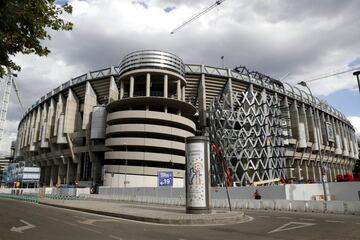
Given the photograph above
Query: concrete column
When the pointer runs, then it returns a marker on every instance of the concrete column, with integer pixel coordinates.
(121, 89)
(299, 170)
(178, 89)
(47, 175)
(42, 175)
(70, 171)
(78, 170)
(290, 169)
(50, 119)
(71, 112)
(334, 172)
(131, 91)
(166, 84)
(183, 93)
(311, 172)
(54, 175)
(113, 90)
(166, 87)
(61, 174)
(89, 102)
(95, 169)
(306, 168)
(59, 110)
(319, 171)
(148, 84)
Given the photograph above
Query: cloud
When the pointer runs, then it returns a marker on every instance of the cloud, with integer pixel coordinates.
(303, 38)
(355, 121)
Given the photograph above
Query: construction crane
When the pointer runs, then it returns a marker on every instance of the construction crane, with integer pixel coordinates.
(217, 3)
(6, 98)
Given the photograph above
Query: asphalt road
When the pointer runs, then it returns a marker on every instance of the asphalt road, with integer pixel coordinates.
(21, 220)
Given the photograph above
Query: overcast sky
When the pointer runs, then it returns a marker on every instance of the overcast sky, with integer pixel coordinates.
(304, 39)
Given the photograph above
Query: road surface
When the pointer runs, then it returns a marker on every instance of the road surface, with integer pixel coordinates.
(21, 220)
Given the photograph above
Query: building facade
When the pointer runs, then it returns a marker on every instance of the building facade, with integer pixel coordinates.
(121, 126)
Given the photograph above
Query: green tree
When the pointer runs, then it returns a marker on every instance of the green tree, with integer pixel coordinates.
(23, 26)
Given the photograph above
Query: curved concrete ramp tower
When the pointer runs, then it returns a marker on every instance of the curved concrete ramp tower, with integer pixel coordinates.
(148, 124)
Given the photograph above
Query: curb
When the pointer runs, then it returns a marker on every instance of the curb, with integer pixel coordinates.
(234, 218)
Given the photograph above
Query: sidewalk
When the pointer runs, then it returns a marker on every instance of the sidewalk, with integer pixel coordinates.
(149, 213)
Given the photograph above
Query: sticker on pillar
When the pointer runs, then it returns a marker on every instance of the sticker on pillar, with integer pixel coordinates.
(166, 179)
(196, 175)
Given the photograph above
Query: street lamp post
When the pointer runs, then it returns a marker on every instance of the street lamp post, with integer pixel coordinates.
(319, 143)
(357, 73)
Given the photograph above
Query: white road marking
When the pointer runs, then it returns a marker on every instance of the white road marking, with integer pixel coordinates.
(22, 228)
(91, 230)
(334, 221)
(52, 218)
(291, 226)
(284, 217)
(115, 237)
(307, 219)
(357, 223)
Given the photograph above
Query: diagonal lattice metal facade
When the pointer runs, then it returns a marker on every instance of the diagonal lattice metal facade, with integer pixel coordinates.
(246, 127)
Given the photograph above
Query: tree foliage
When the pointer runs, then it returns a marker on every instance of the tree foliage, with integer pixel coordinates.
(23, 26)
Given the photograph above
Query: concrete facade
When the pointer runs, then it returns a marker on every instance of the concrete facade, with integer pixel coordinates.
(120, 126)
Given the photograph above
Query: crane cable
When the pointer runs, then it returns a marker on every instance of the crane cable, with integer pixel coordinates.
(331, 75)
(18, 95)
(217, 3)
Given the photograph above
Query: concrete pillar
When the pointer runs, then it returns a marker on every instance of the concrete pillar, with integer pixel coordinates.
(42, 175)
(54, 175)
(121, 89)
(50, 122)
(95, 169)
(306, 171)
(319, 171)
(183, 92)
(178, 89)
(70, 171)
(71, 111)
(311, 172)
(148, 84)
(61, 174)
(59, 110)
(334, 172)
(166, 84)
(131, 90)
(114, 91)
(166, 89)
(299, 170)
(47, 175)
(78, 170)
(89, 102)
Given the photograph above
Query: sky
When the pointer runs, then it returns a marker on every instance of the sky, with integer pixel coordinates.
(299, 39)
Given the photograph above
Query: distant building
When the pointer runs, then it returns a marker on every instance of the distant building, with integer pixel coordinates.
(121, 126)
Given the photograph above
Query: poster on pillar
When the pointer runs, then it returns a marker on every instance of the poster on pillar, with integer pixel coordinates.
(196, 185)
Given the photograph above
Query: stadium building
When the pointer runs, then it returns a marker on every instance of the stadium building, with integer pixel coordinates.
(122, 125)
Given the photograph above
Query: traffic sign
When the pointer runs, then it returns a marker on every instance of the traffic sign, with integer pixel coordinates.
(166, 179)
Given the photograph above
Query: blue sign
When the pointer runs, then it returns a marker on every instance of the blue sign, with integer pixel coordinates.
(166, 179)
